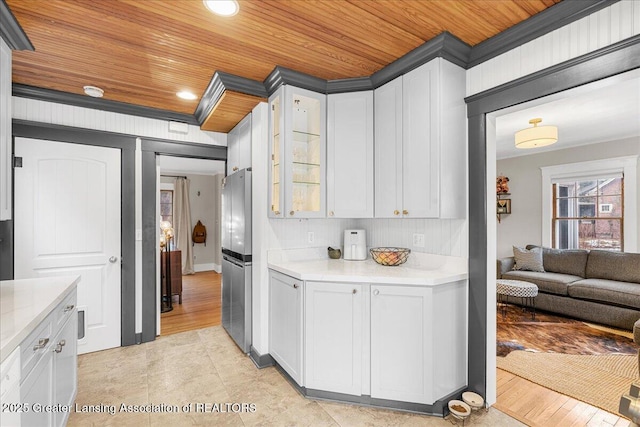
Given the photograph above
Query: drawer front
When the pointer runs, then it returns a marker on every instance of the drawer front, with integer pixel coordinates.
(36, 345)
(9, 374)
(65, 310)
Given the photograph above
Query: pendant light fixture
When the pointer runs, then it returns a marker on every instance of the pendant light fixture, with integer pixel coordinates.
(537, 136)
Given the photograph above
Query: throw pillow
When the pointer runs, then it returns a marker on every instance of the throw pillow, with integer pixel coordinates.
(528, 259)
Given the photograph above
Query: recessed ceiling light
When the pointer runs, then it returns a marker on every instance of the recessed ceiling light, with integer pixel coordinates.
(93, 91)
(186, 95)
(222, 7)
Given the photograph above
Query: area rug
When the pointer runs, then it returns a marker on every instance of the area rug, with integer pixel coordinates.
(599, 380)
(550, 333)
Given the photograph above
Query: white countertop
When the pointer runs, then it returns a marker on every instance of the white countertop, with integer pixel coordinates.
(420, 270)
(25, 303)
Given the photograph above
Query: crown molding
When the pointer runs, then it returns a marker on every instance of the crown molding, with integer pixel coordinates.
(349, 85)
(285, 76)
(11, 31)
(552, 18)
(84, 101)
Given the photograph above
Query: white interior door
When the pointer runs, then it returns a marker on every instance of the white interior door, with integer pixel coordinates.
(68, 222)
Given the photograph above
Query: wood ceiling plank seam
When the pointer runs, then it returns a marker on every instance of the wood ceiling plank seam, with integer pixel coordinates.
(423, 28)
(349, 38)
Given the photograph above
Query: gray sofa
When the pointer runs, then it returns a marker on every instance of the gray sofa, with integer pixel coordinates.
(596, 286)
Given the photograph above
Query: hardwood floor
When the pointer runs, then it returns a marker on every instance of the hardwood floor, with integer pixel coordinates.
(201, 304)
(535, 405)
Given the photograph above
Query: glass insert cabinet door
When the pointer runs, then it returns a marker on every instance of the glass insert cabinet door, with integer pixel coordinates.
(297, 153)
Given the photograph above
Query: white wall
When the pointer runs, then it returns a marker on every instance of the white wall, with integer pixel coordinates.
(603, 28)
(67, 115)
(203, 208)
(524, 225)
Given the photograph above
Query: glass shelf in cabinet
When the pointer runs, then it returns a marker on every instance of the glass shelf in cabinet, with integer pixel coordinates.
(306, 164)
(306, 183)
(300, 136)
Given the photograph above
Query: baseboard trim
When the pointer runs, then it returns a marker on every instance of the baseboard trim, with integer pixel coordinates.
(261, 360)
(439, 408)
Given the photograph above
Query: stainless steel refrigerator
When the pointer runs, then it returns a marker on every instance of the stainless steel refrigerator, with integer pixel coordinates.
(236, 257)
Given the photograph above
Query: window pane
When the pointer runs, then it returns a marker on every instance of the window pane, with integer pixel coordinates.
(586, 207)
(589, 234)
(610, 187)
(587, 188)
(166, 196)
(165, 209)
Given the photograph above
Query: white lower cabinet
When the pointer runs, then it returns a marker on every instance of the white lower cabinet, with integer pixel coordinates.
(333, 337)
(49, 359)
(401, 343)
(285, 323)
(37, 389)
(390, 342)
(65, 368)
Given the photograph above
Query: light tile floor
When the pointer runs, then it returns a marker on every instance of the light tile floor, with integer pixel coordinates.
(206, 367)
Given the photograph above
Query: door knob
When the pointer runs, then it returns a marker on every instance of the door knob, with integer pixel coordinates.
(113, 259)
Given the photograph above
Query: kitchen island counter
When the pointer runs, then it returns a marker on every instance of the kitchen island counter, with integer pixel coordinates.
(27, 302)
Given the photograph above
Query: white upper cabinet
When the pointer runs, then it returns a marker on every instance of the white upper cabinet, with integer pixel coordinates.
(297, 129)
(350, 155)
(239, 146)
(388, 149)
(5, 131)
(420, 144)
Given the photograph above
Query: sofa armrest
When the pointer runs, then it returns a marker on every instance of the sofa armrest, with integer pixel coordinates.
(505, 265)
(636, 332)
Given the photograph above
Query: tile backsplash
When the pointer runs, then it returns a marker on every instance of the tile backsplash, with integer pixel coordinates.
(441, 236)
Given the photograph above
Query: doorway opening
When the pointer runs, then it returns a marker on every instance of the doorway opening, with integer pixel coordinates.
(588, 133)
(188, 195)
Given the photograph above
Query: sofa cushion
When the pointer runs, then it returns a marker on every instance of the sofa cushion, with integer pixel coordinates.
(565, 261)
(609, 291)
(621, 266)
(528, 259)
(551, 283)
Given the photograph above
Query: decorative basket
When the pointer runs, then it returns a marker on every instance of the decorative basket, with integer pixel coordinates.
(390, 256)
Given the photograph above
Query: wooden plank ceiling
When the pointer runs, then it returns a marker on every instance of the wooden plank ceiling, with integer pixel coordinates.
(142, 52)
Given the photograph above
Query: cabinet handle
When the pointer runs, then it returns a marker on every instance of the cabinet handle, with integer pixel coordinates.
(235, 168)
(42, 343)
(69, 308)
(292, 213)
(61, 344)
(405, 212)
(376, 292)
(331, 213)
(396, 212)
(295, 286)
(354, 291)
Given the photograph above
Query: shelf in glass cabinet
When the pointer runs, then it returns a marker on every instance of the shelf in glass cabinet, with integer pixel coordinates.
(305, 183)
(306, 164)
(299, 136)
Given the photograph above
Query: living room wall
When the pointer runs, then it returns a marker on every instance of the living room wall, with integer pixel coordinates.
(524, 225)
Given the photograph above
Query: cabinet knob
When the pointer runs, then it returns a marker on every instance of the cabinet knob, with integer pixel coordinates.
(376, 292)
(292, 213)
(396, 212)
(355, 291)
(330, 213)
(295, 286)
(42, 343)
(235, 168)
(69, 308)
(405, 212)
(277, 212)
